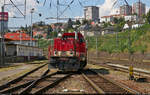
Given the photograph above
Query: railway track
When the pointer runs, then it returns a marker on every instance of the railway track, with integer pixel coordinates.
(103, 85)
(35, 82)
(44, 84)
(23, 81)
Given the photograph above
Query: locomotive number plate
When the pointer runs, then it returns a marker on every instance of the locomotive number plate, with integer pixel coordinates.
(63, 54)
(63, 59)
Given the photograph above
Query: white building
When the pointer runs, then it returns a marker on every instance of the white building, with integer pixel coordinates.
(107, 19)
(111, 18)
(131, 18)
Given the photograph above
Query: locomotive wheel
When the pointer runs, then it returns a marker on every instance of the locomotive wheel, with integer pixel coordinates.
(83, 64)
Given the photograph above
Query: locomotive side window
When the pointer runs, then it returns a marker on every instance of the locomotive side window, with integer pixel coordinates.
(82, 40)
(68, 37)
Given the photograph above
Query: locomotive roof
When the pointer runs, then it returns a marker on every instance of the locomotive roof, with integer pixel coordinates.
(71, 34)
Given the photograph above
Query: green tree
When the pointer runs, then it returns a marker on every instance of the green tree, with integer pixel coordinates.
(84, 21)
(77, 22)
(148, 17)
(115, 20)
(22, 28)
(107, 24)
(49, 32)
(70, 23)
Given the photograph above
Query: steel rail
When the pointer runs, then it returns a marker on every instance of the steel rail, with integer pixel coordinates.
(29, 87)
(51, 85)
(6, 85)
(17, 87)
(100, 90)
(118, 84)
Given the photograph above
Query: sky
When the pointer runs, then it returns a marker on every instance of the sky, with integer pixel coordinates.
(49, 9)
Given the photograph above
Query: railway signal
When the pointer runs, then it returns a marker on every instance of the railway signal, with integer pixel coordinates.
(129, 23)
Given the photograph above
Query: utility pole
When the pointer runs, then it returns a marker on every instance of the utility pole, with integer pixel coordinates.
(2, 38)
(131, 76)
(57, 9)
(117, 37)
(139, 12)
(31, 27)
(20, 37)
(96, 47)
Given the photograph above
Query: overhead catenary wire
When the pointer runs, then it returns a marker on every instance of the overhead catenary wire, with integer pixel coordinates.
(25, 6)
(66, 8)
(44, 2)
(50, 5)
(17, 8)
(80, 3)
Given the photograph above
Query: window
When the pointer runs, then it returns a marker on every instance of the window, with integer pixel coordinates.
(82, 40)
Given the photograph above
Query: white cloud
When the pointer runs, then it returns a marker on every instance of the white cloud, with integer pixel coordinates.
(107, 8)
(14, 12)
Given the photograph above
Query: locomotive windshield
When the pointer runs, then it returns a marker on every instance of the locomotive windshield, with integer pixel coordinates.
(70, 36)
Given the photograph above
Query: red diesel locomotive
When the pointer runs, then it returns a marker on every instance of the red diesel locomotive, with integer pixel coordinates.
(68, 52)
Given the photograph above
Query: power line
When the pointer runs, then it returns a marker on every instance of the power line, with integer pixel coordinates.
(80, 3)
(17, 7)
(66, 8)
(44, 2)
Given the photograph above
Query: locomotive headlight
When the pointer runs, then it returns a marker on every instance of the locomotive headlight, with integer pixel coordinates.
(59, 53)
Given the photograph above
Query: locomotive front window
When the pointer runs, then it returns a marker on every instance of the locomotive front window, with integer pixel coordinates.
(66, 37)
(82, 40)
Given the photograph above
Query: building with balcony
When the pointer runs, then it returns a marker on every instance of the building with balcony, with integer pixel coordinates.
(91, 13)
(139, 8)
(125, 10)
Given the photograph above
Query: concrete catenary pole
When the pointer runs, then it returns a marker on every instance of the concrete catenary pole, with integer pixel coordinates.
(31, 27)
(96, 46)
(2, 38)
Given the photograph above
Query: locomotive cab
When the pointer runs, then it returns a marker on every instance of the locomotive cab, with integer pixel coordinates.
(68, 52)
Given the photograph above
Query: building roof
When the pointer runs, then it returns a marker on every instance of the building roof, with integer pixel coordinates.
(115, 15)
(91, 6)
(18, 36)
(6, 39)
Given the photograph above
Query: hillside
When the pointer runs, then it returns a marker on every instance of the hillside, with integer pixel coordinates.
(139, 41)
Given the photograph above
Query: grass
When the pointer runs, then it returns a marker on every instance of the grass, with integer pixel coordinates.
(37, 62)
(6, 79)
(2, 69)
